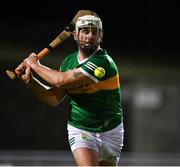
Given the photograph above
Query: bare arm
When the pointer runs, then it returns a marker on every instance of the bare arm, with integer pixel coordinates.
(60, 80)
(51, 96)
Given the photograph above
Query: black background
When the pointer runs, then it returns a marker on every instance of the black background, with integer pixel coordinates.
(149, 26)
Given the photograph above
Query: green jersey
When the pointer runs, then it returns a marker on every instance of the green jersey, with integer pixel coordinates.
(96, 107)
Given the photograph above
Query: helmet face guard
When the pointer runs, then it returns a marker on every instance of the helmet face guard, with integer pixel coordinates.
(90, 21)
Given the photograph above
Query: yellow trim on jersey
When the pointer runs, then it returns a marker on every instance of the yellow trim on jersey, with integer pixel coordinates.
(109, 84)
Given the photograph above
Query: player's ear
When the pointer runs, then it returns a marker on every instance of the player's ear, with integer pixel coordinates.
(75, 35)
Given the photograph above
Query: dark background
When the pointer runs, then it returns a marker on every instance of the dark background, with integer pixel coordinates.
(142, 37)
(149, 26)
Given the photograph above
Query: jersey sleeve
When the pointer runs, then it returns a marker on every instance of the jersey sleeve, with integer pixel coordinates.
(90, 66)
(63, 65)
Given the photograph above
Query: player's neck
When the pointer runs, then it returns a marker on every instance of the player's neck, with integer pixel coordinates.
(82, 56)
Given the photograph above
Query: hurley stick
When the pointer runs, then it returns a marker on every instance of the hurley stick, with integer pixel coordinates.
(66, 33)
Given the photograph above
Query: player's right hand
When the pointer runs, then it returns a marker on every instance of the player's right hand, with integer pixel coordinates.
(23, 72)
(20, 69)
(27, 75)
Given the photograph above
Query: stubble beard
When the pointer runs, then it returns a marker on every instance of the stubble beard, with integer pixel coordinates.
(88, 49)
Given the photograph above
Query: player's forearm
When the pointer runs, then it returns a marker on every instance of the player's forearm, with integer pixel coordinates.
(53, 77)
(46, 94)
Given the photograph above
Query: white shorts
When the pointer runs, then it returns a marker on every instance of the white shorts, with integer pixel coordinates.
(107, 144)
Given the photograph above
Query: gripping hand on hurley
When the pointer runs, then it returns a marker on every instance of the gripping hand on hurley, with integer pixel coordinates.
(23, 70)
